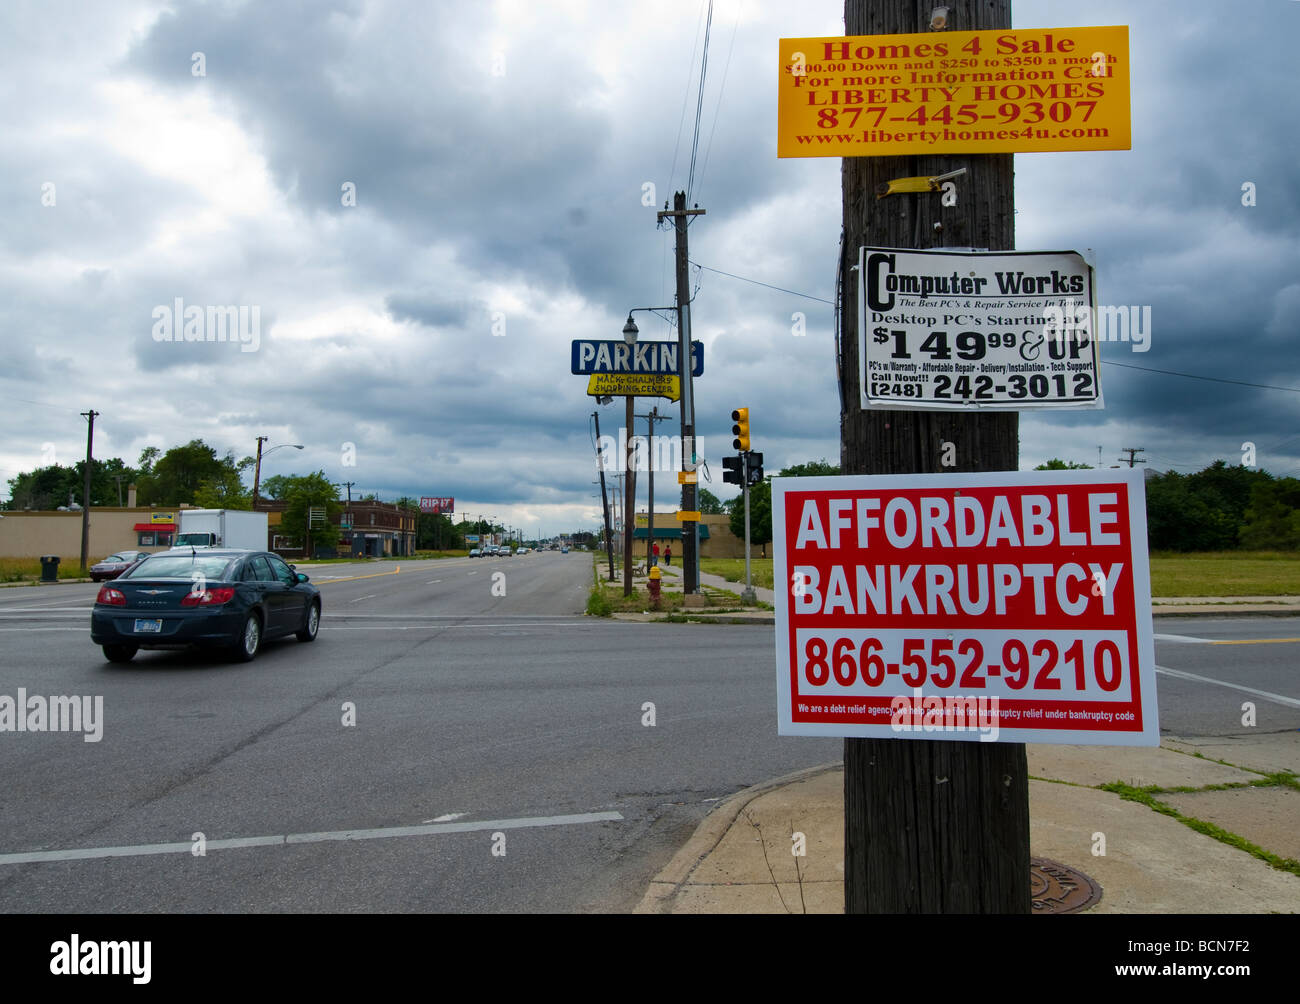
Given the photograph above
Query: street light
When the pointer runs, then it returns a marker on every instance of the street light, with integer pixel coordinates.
(257, 474)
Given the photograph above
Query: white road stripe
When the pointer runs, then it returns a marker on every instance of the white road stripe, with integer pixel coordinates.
(360, 598)
(1180, 637)
(432, 581)
(1289, 702)
(432, 829)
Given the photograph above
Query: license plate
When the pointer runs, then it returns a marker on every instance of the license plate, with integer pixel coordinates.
(148, 626)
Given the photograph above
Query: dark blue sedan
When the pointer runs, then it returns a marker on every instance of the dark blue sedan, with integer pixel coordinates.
(217, 598)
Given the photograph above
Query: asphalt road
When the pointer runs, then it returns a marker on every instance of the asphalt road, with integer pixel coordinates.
(482, 722)
(470, 708)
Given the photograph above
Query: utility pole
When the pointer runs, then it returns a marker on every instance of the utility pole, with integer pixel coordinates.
(85, 492)
(1133, 452)
(604, 499)
(929, 827)
(629, 497)
(651, 419)
(257, 471)
(119, 478)
(690, 529)
(352, 530)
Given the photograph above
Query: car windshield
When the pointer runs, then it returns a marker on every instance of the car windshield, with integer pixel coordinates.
(181, 566)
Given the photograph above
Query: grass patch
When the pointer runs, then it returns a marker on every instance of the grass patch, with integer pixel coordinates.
(29, 569)
(733, 570)
(1147, 797)
(1210, 573)
(1226, 573)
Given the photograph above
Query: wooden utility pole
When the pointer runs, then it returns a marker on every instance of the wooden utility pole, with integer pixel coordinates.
(85, 491)
(929, 827)
(604, 499)
(680, 216)
(629, 498)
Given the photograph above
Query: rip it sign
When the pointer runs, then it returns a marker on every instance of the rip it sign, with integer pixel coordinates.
(1007, 606)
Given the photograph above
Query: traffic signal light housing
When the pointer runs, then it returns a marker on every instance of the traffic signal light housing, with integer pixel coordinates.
(755, 468)
(731, 471)
(741, 429)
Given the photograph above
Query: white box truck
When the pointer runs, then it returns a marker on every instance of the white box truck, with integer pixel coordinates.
(221, 528)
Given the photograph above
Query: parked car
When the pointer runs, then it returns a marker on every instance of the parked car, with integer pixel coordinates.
(220, 598)
(115, 564)
(474, 552)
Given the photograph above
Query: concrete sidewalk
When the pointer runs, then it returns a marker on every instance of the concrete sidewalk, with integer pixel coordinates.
(740, 858)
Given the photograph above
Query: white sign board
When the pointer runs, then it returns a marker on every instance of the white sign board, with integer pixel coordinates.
(1008, 606)
(1001, 331)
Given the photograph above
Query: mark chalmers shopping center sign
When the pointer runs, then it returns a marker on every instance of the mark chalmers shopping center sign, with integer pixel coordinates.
(1011, 606)
(1008, 91)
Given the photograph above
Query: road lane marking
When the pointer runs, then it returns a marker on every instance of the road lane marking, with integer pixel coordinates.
(1252, 641)
(1289, 702)
(360, 598)
(432, 581)
(379, 833)
(1181, 637)
(353, 578)
(445, 818)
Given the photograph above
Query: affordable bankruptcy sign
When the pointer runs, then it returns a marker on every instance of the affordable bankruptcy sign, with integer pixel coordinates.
(1007, 606)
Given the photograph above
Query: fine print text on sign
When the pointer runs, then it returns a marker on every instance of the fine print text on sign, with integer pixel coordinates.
(1009, 606)
(635, 384)
(954, 330)
(658, 358)
(1004, 91)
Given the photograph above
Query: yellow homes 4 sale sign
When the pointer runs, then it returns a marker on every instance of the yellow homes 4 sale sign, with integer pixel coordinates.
(1005, 91)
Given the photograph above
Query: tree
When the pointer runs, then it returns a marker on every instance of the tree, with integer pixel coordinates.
(812, 469)
(179, 474)
(710, 504)
(303, 494)
(275, 486)
(1056, 464)
(54, 486)
(1272, 519)
(760, 515)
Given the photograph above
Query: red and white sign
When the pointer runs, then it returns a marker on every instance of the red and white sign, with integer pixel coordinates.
(1007, 606)
(429, 503)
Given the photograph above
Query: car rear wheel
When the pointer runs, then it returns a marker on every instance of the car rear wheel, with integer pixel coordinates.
(120, 653)
(250, 639)
(311, 625)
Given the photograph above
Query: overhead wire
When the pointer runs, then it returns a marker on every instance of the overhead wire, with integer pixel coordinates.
(699, 102)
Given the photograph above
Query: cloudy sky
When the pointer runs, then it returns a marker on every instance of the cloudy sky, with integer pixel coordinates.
(499, 152)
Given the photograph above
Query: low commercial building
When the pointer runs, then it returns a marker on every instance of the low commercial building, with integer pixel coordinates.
(31, 533)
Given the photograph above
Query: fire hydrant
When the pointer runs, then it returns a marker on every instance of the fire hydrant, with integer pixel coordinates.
(653, 586)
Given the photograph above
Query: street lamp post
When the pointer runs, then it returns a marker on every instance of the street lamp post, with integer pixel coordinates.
(257, 474)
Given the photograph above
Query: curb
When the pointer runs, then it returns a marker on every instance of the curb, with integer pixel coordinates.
(709, 834)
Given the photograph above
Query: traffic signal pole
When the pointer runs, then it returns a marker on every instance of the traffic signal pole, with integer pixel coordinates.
(748, 596)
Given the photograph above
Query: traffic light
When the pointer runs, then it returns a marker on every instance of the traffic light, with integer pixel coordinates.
(741, 429)
(731, 471)
(755, 468)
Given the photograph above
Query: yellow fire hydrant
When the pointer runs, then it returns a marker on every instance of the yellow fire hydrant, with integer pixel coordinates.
(653, 586)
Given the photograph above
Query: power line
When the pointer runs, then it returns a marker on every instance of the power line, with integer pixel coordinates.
(779, 289)
(708, 147)
(1194, 376)
(699, 102)
(685, 97)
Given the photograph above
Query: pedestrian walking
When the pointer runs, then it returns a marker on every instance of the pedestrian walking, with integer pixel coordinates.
(668, 554)
(654, 560)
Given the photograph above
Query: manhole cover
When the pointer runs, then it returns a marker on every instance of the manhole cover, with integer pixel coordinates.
(1056, 888)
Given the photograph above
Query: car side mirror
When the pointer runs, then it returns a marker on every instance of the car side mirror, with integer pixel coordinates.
(302, 577)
